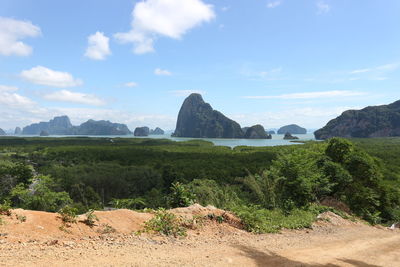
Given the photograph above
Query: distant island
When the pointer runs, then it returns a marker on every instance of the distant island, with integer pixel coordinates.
(373, 121)
(157, 131)
(198, 119)
(62, 126)
(2, 132)
(292, 129)
(141, 131)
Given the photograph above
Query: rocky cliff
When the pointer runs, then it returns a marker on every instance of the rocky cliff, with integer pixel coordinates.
(373, 121)
(197, 118)
(62, 126)
(59, 125)
(157, 131)
(142, 131)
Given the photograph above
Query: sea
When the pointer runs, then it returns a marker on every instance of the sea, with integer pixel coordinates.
(277, 139)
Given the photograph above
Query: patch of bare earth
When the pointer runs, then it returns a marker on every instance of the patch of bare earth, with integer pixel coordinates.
(333, 241)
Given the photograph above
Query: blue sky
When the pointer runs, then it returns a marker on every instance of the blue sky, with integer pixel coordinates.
(257, 61)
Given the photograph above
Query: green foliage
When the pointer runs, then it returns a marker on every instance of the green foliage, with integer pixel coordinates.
(68, 214)
(165, 223)
(41, 196)
(209, 192)
(91, 218)
(259, 220)
(339, 149)
(5, 208)
(129, 203)
(180, 196)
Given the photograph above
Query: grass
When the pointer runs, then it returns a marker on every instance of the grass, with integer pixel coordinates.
(258, 220)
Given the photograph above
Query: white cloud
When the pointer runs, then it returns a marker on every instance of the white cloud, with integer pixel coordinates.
(185, 93)
(378, 73)
(309, 117)
(11, 32)
(169, 18)
(310, 95)
(98, 46)
(323, 7)
(162, 72)
(130, 84)
(44, 76)
(10, 99)
(74, 97)
(274, 4)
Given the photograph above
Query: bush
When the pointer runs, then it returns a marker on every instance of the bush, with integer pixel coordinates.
(68, 214)
(5, 208)
(165, 223)
(259, 220)
(90, 219)
(180, 196)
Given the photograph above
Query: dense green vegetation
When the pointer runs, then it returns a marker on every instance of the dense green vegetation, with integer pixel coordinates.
(268, 187)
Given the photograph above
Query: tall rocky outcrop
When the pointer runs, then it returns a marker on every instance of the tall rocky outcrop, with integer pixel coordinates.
(257, 132)
(373, 121)
(197, 118)
(157, 131)
(92, 127)
(2, 132)
(18, 131)
(141, 131)
(59, 125)
(62, 126)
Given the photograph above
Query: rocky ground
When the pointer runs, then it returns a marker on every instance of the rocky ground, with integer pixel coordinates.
(333, 241)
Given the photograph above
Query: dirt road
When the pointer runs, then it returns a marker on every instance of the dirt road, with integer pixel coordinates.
(333, 243)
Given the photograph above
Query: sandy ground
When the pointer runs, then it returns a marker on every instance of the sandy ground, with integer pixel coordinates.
(332, 242)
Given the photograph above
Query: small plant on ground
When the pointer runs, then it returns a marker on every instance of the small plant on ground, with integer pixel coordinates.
(21, 218)
(68, 214)
(5, 208)
(180, 196)
(165, 223)
(106, 229)
(90, 219)
(64, 229)
(217, 218)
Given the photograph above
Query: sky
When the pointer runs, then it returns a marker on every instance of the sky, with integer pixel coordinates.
(269, 62)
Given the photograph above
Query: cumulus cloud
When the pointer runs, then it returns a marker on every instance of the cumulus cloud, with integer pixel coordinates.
(161, 72)
(10, 99)
(310, 95)
(44, 76)
(274, 4)
(98, 46)
(185, 93)
(130, 84)
(323, 7)
(168, 18)
(74, 97)
(11, 32)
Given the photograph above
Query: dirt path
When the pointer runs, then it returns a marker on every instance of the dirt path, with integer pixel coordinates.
(334, 243)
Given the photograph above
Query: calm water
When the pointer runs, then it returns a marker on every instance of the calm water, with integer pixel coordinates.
(277, 139)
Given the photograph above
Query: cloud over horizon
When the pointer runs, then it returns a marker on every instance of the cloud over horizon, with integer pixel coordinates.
(74, 97)
(45, 76)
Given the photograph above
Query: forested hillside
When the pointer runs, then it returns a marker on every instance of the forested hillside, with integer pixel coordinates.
(285, 182)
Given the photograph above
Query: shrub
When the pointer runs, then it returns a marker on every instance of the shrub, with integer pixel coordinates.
(68, 214)
(180, 196)
(259, 220)
(90, 219)
(165, 223)
(5, 208)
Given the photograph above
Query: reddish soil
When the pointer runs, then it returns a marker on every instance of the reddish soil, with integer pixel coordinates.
(333, 241)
